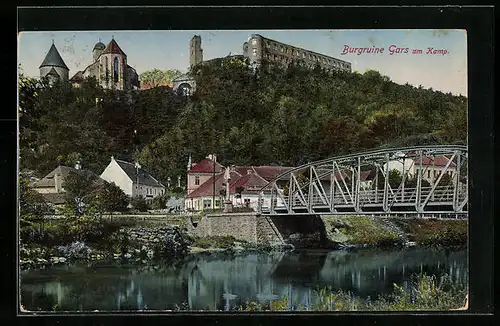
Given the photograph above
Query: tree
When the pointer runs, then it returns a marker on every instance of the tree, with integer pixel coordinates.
(110, 198)
(32, 205)
(139, 203)
(156, 77)
(239, 191)
(82, 189)
(302, 181)
(160, 202)
(446, 180)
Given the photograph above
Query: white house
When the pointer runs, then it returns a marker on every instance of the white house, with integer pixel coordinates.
(132, 179)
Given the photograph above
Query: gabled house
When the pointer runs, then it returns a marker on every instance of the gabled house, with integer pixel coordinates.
(132, 179)
(202, 177)
(52, 185)
(432, 167)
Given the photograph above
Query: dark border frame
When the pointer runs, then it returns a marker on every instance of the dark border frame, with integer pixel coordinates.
(478, 21)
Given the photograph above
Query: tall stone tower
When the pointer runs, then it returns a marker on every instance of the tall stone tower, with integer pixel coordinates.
(195, 51)
(98, 48)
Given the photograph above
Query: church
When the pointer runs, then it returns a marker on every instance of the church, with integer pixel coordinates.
(109, 66)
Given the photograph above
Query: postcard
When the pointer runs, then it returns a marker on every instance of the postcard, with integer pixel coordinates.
(243, 170)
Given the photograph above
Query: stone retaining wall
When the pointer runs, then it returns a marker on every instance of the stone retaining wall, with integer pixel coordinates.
(249, 227)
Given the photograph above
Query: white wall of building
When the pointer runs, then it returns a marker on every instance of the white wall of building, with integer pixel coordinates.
(114, 173)
(147, 191)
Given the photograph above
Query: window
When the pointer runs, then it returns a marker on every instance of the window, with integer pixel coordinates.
(217, 203)
(107, 70)
(428, 174)
(254, 51)
(115, 70)
(197, 180)
(207, 203)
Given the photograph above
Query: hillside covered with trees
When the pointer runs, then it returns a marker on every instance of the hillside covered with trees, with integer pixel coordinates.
(274, 116)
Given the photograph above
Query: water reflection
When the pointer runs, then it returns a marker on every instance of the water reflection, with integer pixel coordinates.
(222, 282)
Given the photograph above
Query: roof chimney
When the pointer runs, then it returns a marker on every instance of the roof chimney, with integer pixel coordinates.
(57, 182)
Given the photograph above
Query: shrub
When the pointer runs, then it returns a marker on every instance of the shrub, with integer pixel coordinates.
(139, 203)
(174, 244)
(76, 250)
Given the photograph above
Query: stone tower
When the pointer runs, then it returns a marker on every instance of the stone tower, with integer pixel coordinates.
(98, 48)
(195, 51)
(53, 66)
(113, 66)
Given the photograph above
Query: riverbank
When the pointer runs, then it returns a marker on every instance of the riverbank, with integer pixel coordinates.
(144, 241)
(367, 231)
(137, 244)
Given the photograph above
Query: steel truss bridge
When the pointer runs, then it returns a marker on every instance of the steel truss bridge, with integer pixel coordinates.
(431, 180)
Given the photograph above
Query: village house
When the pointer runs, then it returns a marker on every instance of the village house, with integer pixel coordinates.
(52, 185)
(245, 183)
(431, 167)
(132, 179)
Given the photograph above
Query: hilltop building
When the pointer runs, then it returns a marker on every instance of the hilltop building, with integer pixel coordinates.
(53, 66)
(258, 48)
(109, 66)
(195, 51)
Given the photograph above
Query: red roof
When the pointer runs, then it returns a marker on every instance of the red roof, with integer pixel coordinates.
(270, 172)
(207, 188)
(206, 166)
(437, 161)
(113, 47)
(251, 183)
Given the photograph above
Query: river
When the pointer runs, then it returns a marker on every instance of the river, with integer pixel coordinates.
(219, 281)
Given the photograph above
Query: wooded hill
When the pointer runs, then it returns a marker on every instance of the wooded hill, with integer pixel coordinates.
(274, 116)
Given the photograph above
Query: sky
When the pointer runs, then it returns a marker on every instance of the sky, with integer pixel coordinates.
(445, 70)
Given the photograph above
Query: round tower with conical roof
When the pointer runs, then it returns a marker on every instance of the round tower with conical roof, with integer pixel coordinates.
(53, 65)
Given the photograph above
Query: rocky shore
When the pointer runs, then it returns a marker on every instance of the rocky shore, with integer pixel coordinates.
(135, 245)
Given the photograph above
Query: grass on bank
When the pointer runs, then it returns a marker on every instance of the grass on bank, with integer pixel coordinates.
(422, 292)
(358, 230)
(434, 232)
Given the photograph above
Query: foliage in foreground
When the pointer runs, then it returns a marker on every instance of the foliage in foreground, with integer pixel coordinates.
(422, 292)
(360, 230)
(433, 232)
